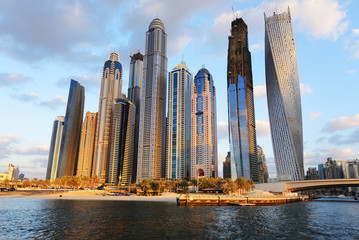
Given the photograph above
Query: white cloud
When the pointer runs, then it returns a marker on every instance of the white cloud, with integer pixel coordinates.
(314, 116)
(342, 123)
(222, 130)
(321, 155)
(351, 71)
(27, 97)
(262, 128)
(13, 79)
(260, 91)
(89, 81)
(54, 102)
(305, 89)
(355, 31)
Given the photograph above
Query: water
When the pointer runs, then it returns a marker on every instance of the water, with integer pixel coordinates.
(68, 219)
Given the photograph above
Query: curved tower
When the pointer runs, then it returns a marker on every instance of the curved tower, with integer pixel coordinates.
(283, 95)
(111, 86)
(151, 144)
(241, 121)
(204, 161)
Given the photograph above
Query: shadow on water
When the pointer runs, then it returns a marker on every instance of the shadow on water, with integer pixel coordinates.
(64, 219)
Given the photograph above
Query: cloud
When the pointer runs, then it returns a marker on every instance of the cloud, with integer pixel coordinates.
(351, 71)
(342, 123)
(314, 116)
(89, 81)
(257, 47)
(54, 102)
(355, 32)
(355, 49)
(321, 155)
(260, 91)
(222, 130)
(13, 79)
(305, 89)
(32, 150)
(262, 128)
(26, 97)
(340, 139)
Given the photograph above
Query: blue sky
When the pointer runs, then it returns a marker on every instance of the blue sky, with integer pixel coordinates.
(43, 44)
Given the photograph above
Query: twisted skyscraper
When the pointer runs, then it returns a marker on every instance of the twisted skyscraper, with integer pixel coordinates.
(283, 95)
(111, 86)
(151, 145)
(241, 121)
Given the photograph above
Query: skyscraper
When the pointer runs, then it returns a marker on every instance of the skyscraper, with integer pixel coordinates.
(134, 95)
(283, 96)
(72, 130)
(122, 142)
(262, 166)
(111, 87)
(55, 146)
(151, 144)
(227, 167)
(178, 155)
(87, 143)
(204, 161)
(241, 120)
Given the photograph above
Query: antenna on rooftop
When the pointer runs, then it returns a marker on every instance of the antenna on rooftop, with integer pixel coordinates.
(234, 14)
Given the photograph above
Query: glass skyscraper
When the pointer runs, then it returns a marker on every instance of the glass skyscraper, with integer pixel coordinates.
(122, 142)
(134, 95)
(178, 122)
(87, 143)
(241, 120)
(204, 161)
(70, 142)
(283, 95)
(55, 146)
(111, 87)
(151, 144)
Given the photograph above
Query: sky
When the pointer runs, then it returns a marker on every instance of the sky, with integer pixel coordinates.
(43, 44)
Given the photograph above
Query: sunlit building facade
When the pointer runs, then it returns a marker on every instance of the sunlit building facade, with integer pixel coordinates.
(70, 142)
(204, 161)
(262, 166)
(178, 123)
(122, 142)
(87, 143)
(241, 119)
(111, 87)
(134, 95)
(151, 144)
(55, 146)
(283, 96)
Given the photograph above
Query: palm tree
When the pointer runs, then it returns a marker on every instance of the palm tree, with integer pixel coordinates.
(145, 186)
(85, 181)
(26, 183)
(161, 185)
(95, 180)
(57, 182)
(75, 182)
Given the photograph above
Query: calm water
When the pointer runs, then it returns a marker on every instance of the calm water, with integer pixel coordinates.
(64, 219)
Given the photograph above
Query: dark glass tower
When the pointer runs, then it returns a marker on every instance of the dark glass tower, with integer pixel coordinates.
(72, 130)
(241, 121)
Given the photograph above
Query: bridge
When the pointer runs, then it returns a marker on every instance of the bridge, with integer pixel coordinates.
(307, 185)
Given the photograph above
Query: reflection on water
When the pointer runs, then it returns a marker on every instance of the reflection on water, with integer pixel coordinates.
(63, 219)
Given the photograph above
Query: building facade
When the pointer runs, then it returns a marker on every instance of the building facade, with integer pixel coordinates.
(262, 166)
(87, 143)
(312, 174)
(178, 122)
(227, 167)
(122, 142)
(241, 119)
(151, 144)
(70, 142)
(55, 147)
(134, 95)
(283, 96)
(111, 87)
(8, 175)
(204, 161)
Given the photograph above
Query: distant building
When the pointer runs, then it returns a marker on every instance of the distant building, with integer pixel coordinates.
(320, 171)
(152, 137)
(227, 167)
(262, 166)
(178, 152)
(204, 161)
(87, 143)
(283, 95)
(21, 176)
(351, 169)
(332, 170)
(111, 89)
(8, 175)
(312, 174)
(15, 174)
(134, 95)
(122, 142)
(70, 142)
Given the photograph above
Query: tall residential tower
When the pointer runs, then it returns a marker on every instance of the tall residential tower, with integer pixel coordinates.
(111, 87)
(204, 161)
(178, 155)
(241, 121)
(283, 95)
(151, 149)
